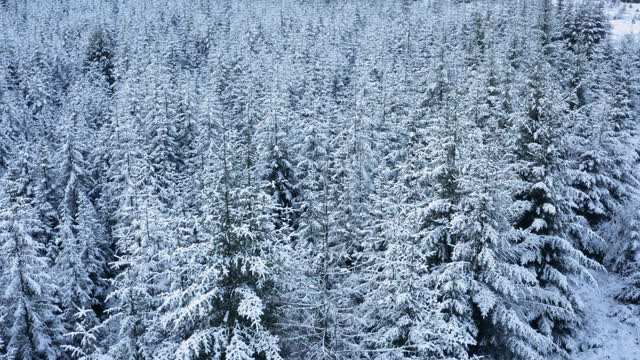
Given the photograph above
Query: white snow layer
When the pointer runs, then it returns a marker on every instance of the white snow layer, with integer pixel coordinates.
(625, 20)
(612, 329)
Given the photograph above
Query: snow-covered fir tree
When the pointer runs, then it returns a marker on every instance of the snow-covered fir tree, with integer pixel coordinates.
(289, 179)
(33, 324)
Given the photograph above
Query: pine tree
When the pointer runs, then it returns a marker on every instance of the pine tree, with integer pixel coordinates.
(135, 230)
(492, 283)
(623, 154)
(279, 172)
(319, 313)
(539, 216)
(400, 313)
(160, 133)
(100, 55)
(33, 329)
(625, 259)
(81, 263)
(443, 204)
(585, 28)
(224, 306)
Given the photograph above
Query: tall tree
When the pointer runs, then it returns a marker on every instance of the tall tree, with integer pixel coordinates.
(539, 215)
(224, 304)
(33, 328)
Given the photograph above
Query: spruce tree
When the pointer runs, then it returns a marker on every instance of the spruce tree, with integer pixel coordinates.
(224, 305)
(33, 328)
(539, 215)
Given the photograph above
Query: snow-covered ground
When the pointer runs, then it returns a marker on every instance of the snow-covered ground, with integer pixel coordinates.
(612, 329)
(625, 19)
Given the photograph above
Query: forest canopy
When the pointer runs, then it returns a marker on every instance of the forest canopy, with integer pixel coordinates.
(312, 180)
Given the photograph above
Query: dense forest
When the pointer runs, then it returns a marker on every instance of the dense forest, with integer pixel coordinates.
(312, 180)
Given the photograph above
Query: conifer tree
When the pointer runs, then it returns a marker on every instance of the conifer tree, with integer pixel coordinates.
(539, 216)
(33, 328)
(311, 180)
(224, 305)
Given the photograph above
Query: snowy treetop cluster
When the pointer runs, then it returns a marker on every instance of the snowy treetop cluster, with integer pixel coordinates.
(311, 180)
